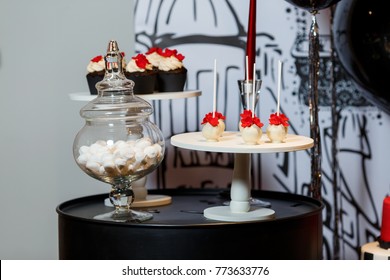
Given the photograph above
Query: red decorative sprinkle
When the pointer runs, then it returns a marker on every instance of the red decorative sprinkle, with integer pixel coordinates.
(166, 53)
(213, 120)
(247, 120)
(154, 49)
(96, 59)
(277, 120)
(141, 60)
(180, 57)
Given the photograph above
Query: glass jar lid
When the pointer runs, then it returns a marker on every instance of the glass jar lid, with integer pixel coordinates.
(115, 99)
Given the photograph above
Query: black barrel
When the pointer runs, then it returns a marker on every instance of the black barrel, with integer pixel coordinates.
(180, 231)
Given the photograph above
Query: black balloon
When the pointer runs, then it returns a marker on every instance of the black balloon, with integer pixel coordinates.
(313, 5)
(361, 31)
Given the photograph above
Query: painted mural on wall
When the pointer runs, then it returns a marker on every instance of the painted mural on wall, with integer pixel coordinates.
(204, 30)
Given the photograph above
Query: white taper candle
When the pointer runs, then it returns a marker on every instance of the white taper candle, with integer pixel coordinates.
(246, 89)
(246, 68)
(280, 65)
(215, 88)
(253, 89)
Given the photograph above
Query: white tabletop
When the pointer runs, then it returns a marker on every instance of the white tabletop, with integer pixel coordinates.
(232, 142)
(86, 96)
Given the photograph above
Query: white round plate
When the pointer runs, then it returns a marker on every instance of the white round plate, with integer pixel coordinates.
(232, 142)
(86, 96)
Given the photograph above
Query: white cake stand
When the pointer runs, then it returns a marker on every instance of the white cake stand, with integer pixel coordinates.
(239, 209)
(86, 96)
(143, 199)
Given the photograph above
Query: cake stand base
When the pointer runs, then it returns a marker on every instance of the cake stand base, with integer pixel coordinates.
(149, 201)
(240, 208)
(224, 213)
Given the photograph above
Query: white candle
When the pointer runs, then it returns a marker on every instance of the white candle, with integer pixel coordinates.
(215, 88)
(253, 89)
(246, 88)
(246, 68)
(280, 65)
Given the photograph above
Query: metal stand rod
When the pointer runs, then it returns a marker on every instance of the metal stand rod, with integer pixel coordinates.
(314, 59)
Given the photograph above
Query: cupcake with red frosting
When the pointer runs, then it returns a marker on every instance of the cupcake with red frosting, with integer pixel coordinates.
(213, 126)
(95, 72)
(277, 128)
(142, 72)
(250, 127)
(172, 74)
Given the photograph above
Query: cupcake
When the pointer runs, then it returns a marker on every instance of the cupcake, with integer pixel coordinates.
(213, 126)
(277, 128)
(96, 71)
(153, 55)
(172, 74)
(141, 71)
(250, 127)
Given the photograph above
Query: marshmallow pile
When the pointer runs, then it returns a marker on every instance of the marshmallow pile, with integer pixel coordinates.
(120, 158)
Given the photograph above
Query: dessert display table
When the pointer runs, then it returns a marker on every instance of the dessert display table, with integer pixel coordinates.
(180, 230)
(240, 209)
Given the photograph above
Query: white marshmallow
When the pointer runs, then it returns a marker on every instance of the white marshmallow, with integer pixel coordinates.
(83, 150)
(102, 171)
(130, 143)
(107, 157)
(82, 159)
(119, 145)
(93, 166)
(111, 168)
(120, 158)
(139, 156)
(151, 151)
(158, 149)
(126, 152)
(143, 143)
(120, 162)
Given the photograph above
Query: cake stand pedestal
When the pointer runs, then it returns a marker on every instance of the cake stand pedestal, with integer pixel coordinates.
(143, 199)
(239, 209)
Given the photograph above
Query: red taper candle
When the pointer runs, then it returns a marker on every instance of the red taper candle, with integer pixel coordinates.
(251, 39)
(385, 229)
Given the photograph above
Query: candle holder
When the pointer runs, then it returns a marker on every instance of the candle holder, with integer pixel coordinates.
(246, 92)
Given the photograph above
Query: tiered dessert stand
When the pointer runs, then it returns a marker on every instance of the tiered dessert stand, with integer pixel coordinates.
(239, 209)
(142, 198)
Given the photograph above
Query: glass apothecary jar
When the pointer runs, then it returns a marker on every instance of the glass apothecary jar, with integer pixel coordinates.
(118, 143)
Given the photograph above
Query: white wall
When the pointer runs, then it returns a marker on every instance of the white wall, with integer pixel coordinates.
(45, 46)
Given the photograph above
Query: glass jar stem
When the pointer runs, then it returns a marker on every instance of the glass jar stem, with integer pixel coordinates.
(122, 196)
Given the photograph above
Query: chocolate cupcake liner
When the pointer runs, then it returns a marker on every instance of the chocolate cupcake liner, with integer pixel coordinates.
(171, 82)
(92, 81)
(143, 84)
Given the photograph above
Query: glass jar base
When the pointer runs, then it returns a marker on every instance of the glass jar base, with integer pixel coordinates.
(129, 216)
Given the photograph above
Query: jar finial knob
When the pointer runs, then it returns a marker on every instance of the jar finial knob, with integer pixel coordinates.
(112, 46)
